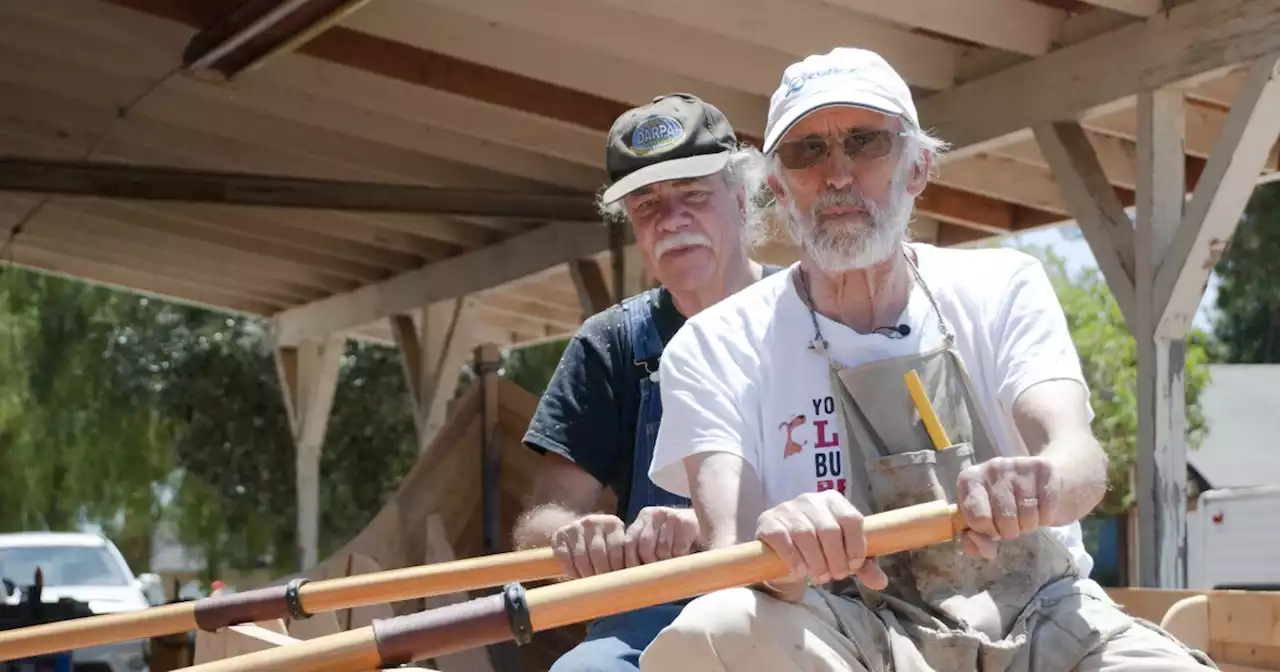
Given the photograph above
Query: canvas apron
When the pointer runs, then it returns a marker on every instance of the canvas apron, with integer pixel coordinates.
(959, 613)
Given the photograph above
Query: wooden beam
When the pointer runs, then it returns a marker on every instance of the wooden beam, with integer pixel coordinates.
(811, 26)
(1190, 41)
(260, 29)
(1220, 198)
(1094, 204)
(1141, 8)
(528, 96)
(88, 178)
(588, 280)
(512, 259)
(128, 278)
(308, 374)
(1162, 459)
(1012, 25)
(432, 353)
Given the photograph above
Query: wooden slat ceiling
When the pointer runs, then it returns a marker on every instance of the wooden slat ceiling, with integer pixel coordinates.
(497, 94)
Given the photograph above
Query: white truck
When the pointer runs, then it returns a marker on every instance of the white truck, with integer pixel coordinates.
(87, 568)
(1233, 539)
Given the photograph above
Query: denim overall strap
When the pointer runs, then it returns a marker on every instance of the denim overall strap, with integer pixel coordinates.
(646, 346)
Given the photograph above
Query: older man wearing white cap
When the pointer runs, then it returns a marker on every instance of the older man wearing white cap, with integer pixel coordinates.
(786, 418)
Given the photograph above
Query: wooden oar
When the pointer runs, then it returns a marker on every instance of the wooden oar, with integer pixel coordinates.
(516, 614)
(213, 613)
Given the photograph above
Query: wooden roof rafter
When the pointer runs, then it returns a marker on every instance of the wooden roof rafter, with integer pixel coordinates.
(385, 97)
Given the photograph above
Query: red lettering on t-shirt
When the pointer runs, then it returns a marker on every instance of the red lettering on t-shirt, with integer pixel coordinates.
(825, 441)
(838, 484)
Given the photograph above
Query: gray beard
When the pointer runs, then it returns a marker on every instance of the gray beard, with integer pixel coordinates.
(853, 242)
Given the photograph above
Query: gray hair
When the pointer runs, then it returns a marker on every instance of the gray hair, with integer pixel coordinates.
(746, 170)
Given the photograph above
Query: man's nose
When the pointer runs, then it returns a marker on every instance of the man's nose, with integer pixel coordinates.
(674, 217)
(842, 171)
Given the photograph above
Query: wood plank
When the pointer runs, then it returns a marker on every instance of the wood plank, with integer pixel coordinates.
(128, 279)
(1220, 198)
(1011, 25)
(1135, 7)
(812, 26)
(448, 50)
(1193, 40)
(149, 182)
(1162, 472)
(516, 257)
(1101, 217)
(593, 291)
(308, 374)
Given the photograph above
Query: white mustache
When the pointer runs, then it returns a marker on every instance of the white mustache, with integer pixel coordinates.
(683, 239)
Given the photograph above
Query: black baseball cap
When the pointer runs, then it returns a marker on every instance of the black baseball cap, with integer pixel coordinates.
(676, 136)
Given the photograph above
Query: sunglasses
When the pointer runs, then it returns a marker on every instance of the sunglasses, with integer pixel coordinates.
(858, 145)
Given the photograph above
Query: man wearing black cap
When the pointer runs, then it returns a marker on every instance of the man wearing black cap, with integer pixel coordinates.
(679, 180)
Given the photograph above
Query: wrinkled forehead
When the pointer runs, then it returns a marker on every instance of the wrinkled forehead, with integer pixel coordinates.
(669, 186)
(839, 119)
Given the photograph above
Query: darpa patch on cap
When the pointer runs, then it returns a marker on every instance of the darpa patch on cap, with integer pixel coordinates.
(656, 134)
(674, 137)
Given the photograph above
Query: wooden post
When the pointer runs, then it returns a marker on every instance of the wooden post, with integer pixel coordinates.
(308, 376)
(593, 292)
(1157, 270)
(433, 352)
(1162, 436)
(486, 367)
(504, 656)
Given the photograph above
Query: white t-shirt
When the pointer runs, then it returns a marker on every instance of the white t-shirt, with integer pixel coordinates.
(739, 376)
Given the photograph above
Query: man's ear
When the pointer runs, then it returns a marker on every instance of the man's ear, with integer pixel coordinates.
(919, 176)
(741, 194)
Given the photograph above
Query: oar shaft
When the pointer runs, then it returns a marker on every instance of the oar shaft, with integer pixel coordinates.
(350, 651)
(105, 629)
(315, 597)
(428, 580)
(744, 564)
(495, 618)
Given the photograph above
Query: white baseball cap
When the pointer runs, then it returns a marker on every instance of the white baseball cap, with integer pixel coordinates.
(843, 76)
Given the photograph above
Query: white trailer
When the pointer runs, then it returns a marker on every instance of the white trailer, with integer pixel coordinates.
(1233, 539)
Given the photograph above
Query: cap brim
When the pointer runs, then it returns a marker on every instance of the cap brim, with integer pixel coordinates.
(687, 168)
(864, 99)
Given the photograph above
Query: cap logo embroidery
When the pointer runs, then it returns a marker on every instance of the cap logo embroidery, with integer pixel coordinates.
(797, 82)
(656, 134)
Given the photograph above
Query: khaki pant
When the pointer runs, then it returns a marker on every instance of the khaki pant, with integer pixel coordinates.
(741, 630)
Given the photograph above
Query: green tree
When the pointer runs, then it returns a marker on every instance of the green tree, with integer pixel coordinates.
(1247, 326)
(232, 440)
(531, 367)
(76, 445)
(1108, 357)
(119, 410)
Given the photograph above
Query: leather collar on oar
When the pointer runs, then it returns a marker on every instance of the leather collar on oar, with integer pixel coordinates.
(297, 599)
(515, 614)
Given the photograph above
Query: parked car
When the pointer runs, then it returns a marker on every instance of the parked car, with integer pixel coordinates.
(87, 568)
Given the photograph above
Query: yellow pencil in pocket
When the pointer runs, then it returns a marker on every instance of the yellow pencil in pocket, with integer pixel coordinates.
(930, 417)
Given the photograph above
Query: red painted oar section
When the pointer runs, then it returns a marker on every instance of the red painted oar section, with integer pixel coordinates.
(516, 614)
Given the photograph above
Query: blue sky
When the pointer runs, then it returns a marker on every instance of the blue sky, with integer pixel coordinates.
(1075, 250)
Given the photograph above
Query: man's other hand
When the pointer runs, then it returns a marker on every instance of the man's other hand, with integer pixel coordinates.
(590, 545)
(660, 533)
(1005, 497)
(820, 536)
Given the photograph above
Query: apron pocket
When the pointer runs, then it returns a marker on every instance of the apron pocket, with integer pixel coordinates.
(917, 477)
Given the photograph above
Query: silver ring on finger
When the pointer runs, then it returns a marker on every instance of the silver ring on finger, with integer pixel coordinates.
(1029, 503)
